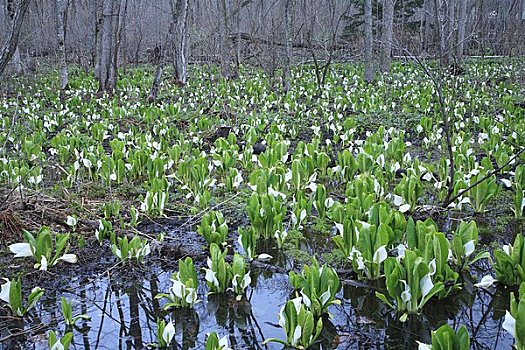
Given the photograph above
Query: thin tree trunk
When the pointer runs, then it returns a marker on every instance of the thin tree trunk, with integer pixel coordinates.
(440, 30)
(388, 28)
(161, 55)
(11, 43)
(179, 40)
(451, 28)
(462, 24)
(223, 38)
(61, 8)
(523, 10)
(105, 45)
(97, 17)
(117, 40)
(288, 51)
(369, 42)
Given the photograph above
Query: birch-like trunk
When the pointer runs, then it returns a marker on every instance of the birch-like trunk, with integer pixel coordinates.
(462, 24)
(105, 45)
(11, 43)
(223, 38)
(60, 10)
(288, 47)
(180, 40)
(450, 29)
(369, 42)
(97, 18)
(387, 34)
(118, 28)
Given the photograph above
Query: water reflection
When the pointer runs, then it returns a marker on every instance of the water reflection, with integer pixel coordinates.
(124, 312)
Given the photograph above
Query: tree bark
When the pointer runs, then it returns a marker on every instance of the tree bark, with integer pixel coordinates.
(105, 45)
(223, 38)
(369, 42)
(288, 48)
(118, 27)
(61, 9)
(451, 28)
(180, 40)
(387, 35)
(523, 10)
(11, 43)
(97, 17)
(462, 24)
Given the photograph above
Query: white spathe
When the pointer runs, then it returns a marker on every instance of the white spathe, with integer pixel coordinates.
(69, 258)
(469, 248)
(510, 324)
(169, 333)
(486, 282)
(21, 250)
(4, 293)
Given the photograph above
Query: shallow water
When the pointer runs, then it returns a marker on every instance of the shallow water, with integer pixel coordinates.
(123, 316)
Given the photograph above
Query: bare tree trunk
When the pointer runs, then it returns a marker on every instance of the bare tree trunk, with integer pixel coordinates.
(387, 35)
(451, 28)
(462, 23)
(223, 38)
(523, 10)
(180, 40)
(288, 53)
(61, 9)
(105, 45)
(161, 58)
(97, 17)
(11, 43)
(369, 42)
(117, 39)
(161, 55)
(440, 29)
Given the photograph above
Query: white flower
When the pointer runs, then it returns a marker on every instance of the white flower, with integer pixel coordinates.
(506, 182)
(211, 277)
(69, 258)
(169, 333)
(4, 293)
(71, 221)
(177, 288)
(423, 346)
(426, 285)
(404, 208)
(432, 267)
(264, 257)
(325, 297)
(469, 248)
(297, 302)
(340, 228)
(406, 296)
(380, 255)
(43, 263)
(398, 200)
(510, 324)
(57, 346)
(486, 282)
(401, 248)
(21, 250)
(296, 335)
(306, 300)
